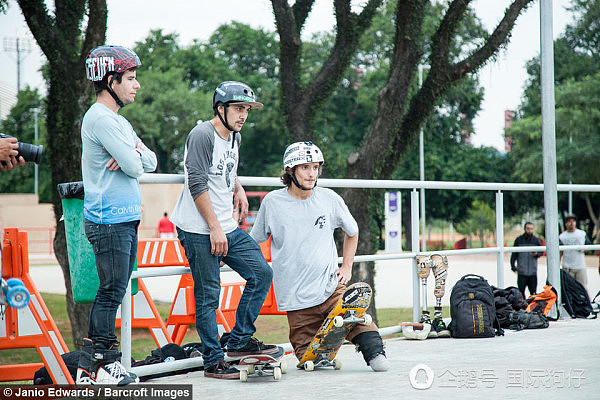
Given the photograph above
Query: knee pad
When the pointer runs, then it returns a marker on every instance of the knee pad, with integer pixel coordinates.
(416, 332)
(369, 344)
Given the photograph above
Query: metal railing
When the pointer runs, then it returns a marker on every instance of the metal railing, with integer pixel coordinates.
(499, 249)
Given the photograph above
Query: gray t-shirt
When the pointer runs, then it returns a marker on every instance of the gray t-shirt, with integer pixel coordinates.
(210, 165)
(573, 259)
(303, 251)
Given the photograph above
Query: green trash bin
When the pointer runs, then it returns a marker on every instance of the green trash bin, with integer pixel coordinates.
(84, 276)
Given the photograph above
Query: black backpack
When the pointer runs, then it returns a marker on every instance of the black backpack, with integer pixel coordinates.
(472, 309)
(507, 301)
(575, 298)
(527, 320)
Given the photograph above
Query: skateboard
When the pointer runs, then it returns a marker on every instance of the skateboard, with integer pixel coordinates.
(263, 365)
(349, 311)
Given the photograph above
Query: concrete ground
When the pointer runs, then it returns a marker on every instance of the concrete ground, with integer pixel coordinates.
(560, 362)
(555, 363)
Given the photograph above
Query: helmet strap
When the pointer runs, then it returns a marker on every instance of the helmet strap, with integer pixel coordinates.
(111, 92)
(225, 123)
(295, 180)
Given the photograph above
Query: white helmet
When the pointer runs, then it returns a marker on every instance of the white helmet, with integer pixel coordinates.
(302, 153)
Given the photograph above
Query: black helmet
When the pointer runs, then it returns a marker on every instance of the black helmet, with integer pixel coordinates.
(105, 59)
(234, 92)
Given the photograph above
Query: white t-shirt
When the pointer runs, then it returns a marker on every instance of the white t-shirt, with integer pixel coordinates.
(573, 259)
(303, 251)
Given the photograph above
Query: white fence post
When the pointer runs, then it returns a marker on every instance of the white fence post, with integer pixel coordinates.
(500, 238)
(126, 328)
(414, 224)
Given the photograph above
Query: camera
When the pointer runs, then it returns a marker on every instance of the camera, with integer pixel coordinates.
(30, 152)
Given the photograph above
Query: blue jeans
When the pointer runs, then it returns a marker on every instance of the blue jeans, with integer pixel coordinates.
(245, 258)
(115, 248)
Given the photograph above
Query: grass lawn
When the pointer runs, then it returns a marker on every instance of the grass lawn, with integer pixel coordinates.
(270, 329)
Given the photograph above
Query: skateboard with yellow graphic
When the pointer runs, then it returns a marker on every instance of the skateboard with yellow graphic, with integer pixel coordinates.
(350, 310)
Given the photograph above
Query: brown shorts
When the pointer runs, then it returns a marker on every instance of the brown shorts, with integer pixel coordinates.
(305, 323)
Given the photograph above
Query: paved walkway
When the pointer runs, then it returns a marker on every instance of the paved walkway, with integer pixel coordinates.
(560, 362)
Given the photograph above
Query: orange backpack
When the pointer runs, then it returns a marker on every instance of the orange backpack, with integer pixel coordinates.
(544, 302)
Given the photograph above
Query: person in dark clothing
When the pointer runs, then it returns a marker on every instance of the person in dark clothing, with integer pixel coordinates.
(525, 264)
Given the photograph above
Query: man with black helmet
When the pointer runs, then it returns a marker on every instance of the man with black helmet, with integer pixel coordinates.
(113, 158)
(301, 219)
(210, 235)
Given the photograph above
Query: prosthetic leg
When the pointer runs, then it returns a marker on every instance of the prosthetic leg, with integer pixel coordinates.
(423, 270)
(409, 332)
(439, 265)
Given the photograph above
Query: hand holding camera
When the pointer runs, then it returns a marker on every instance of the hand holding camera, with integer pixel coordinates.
(14, 153)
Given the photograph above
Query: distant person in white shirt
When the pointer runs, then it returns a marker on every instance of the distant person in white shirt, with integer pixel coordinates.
(573, 261)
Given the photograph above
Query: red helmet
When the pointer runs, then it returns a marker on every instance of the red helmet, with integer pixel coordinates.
(105, 59)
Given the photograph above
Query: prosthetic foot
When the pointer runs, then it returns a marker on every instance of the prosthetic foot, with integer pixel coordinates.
(439, 265)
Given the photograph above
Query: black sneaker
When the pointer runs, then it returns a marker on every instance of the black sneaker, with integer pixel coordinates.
(439, 329)
(254, 346)
(221, 370)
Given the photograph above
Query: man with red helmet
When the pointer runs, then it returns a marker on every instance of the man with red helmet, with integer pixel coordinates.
(113, 158)
(210, 235)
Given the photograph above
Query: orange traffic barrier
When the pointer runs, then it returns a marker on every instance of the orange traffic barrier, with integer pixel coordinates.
(153, 253)
(31, 326)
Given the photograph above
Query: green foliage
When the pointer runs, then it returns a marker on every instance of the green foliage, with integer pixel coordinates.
(481, 219)
(20, 123)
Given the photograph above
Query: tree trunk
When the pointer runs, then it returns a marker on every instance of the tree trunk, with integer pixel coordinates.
(66, 104)
(358, 201)
(60, 37)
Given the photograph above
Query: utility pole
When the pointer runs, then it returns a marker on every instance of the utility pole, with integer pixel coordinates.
(35, 112)
(422, 168)
(20, 46)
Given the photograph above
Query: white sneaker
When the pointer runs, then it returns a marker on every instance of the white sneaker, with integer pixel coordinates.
(379, 363)
(114, 374)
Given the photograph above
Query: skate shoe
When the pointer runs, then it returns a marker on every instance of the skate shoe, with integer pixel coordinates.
(221, 370)
(253, 347)
(439, 329)
(114, 374)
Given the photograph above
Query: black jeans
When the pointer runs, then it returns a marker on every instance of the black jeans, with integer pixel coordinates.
(527, 281)
(115, 248)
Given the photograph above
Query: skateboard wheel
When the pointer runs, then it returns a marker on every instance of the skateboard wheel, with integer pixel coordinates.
(338, 321)
(309, 366)
(368, 319)
(251, 369)
(337, 364)
(283, 367)
(243, 375)
(277, 373)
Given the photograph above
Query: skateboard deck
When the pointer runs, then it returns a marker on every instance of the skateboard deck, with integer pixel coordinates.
(349, 311)
(263, 365)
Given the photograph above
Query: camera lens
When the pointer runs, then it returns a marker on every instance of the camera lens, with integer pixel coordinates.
(31, 152)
